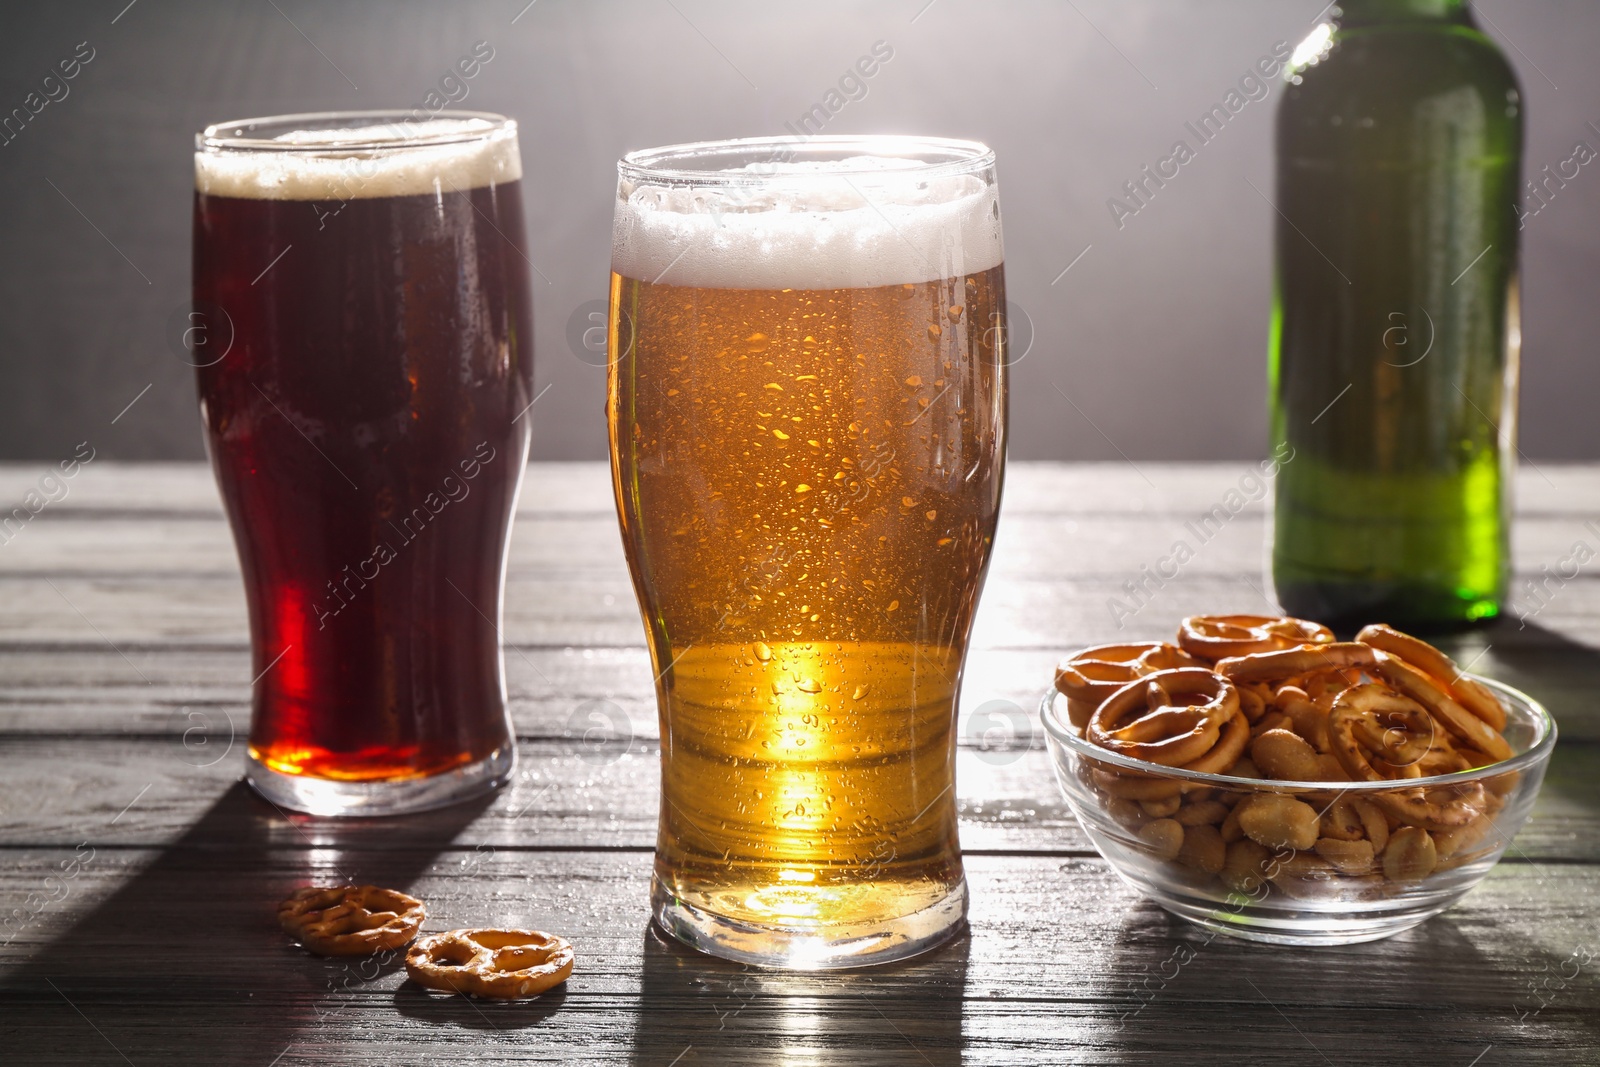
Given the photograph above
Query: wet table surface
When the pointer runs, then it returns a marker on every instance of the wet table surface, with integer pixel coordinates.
(139, 877)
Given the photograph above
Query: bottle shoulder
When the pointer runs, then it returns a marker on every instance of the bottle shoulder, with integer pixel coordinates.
(1388, 86)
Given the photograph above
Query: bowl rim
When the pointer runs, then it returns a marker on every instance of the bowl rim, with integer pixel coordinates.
(1538, 752)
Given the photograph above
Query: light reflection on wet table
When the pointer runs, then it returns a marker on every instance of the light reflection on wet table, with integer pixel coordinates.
(139, 879)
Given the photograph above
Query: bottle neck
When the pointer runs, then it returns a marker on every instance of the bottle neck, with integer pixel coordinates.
(1370, 12)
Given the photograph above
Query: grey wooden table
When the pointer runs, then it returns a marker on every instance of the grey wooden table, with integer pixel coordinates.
(139, 878)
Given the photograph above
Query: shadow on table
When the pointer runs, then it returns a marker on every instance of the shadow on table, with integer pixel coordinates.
(1564, 676)
(1559, 672)
(1440, 993)
(185, 962)
(697, 1009)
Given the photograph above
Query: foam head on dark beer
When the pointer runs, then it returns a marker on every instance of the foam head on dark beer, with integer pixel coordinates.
(399, 159)
(846, 224)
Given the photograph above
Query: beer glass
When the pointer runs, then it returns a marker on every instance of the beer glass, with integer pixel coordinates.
(362, 336)
(807, 414)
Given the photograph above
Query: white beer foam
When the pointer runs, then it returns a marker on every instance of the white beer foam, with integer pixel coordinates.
(340, 174)
(851, 224)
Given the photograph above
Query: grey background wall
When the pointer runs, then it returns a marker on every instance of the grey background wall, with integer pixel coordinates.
(1156, 333)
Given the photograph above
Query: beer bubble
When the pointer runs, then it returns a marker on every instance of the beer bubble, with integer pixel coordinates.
(604, 731)
(1000, 731)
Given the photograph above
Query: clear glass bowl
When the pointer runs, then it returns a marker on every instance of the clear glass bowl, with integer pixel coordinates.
(1167, 832)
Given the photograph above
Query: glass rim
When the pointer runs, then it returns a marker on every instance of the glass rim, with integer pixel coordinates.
(216, 138)
(658, 164)
(1544, 743)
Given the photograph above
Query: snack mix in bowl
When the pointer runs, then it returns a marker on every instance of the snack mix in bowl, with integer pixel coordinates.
(1263, 779)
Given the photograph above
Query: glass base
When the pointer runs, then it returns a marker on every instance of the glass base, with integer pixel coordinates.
(808, 948)
(329, 796)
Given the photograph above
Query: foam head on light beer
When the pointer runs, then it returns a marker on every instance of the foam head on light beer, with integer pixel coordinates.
(807, 411)
(364, 428)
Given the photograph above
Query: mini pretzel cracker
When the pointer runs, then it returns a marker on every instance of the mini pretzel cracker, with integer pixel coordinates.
(1160, 731)
(1468, 693)
(351, 920)
(1443, 807)
(1406, 679)
(1229, 747)
(1386, 708)
(1221, 636)
(1086, 678)
(1292, 662)
(1371, 719)
(499, 964)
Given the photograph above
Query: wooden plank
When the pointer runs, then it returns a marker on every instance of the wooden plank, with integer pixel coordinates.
(175, 958)
(146, 689)
(85, 543)
(585, 487)
(561, 608)
(145, 792)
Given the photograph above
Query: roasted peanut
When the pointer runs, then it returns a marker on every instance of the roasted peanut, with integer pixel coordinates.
(1308, 720)
(1127, 812)
(1348, 857)
(1501, 785)
(1202, 813)
(1164, 837)
(1136, 788)
(1272, 720)
(1294, 865)
(1244, 866)
(1253, 700)
(1245, 768)
(1329, 769)
(1162, 808)
(1278, 821)
(1203, 849)
(1462, 838)
(1373, 821)
(1284, 754)
(1341, 823)
(1230, 826)
(1411, 855)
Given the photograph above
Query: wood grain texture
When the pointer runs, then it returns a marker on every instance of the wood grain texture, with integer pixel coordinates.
(127, 633)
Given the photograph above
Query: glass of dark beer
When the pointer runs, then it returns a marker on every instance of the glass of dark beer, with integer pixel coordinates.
(362, 334)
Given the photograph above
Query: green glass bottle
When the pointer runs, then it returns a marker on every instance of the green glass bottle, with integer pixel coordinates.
(1394, 335)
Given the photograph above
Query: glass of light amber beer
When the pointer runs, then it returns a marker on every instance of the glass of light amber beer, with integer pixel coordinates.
(362, 335)
(807, 402)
